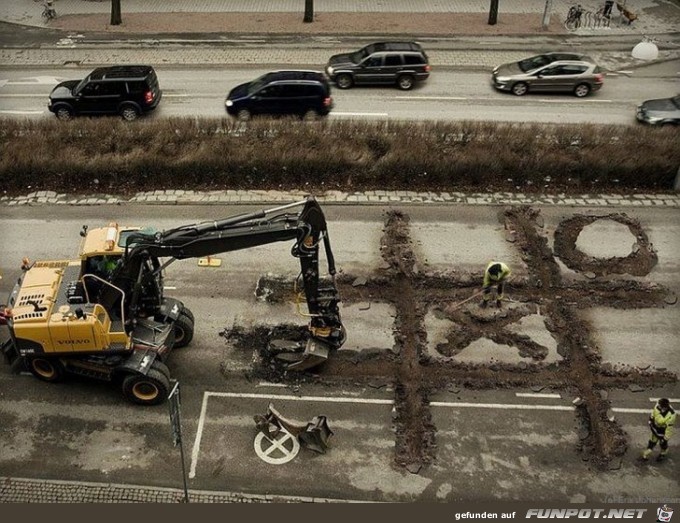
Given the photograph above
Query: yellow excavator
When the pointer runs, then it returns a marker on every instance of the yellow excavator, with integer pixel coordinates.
(106, 316)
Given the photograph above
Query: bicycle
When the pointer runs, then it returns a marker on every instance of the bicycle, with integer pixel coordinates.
(602, 16)
(573, 20)
(49, 12)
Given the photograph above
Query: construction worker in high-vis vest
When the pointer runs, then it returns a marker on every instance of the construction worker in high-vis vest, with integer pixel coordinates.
(494, 275)
(661, 423)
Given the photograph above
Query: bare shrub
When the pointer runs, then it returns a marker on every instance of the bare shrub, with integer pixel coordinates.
(106, 154)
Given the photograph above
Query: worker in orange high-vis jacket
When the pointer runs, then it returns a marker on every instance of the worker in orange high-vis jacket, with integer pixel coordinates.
(494, 275)
(661, 422)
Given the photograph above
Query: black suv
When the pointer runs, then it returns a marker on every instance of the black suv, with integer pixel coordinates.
(306, 94)
(127, 90)
(398, 63)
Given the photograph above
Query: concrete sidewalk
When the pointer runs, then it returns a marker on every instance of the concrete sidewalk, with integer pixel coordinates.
(655, 17)
(258, 32)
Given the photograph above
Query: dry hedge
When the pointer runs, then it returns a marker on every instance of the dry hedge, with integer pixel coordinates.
(109, 155)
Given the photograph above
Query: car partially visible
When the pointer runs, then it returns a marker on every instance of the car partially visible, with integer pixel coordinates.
(660, 111)
(550, 72)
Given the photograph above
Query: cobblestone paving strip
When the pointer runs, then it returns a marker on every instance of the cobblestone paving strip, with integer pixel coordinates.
(21, 490)
(183, 197)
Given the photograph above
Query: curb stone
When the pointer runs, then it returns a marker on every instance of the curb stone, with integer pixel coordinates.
(183, 197)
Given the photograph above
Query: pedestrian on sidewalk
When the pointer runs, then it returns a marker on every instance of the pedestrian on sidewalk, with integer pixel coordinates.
(661, 422)
(494, 275)
(607, 12)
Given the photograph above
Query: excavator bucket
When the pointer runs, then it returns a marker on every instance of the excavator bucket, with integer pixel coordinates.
(314, 435)
(316, 352)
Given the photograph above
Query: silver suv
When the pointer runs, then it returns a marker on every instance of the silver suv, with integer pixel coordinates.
(382, 63)
(550, 72)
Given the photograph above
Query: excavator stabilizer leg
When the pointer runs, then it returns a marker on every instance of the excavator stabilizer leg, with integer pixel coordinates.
(12, 356)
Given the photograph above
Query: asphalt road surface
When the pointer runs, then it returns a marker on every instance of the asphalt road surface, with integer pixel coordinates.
(447, 95)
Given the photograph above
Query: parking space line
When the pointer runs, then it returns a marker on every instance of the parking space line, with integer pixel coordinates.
(536, 395)
(508, 406)
(330, 399)
(199, 435)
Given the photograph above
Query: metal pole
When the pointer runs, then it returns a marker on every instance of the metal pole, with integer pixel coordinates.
(546, 14)
(184, 472)
(493, 12)
(174, 402)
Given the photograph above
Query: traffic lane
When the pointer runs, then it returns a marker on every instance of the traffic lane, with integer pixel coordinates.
(433, 100)
(82, 430)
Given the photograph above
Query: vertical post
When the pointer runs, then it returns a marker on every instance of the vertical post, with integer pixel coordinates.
(493, 12)
(546, 14)
(175, 422)
(309, 12)
(116, 17)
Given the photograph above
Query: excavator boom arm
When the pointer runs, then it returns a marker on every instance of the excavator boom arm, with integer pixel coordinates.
(307, 228)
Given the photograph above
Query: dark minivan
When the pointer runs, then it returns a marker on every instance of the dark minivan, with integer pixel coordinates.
(306, 94)
(126, 90)
(382, 63)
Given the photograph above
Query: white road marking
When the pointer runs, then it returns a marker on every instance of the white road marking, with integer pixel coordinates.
(328, 399)
(267, 384)
(580, 100)
(38, 80)
(527, 99)
(199, 435)
(336, 113)
(285, 454)
(672, 400)
(508, 406)
(335, 399)
(536, 395)
(45, 96)
(22, 112)
(437, 98)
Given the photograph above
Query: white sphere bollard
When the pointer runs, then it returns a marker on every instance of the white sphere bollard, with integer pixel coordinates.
(645, 51)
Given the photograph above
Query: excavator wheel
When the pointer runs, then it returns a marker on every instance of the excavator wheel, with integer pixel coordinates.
(161, 367)
(188, 313)
(184, 329)
(151, 389)
(46, 369)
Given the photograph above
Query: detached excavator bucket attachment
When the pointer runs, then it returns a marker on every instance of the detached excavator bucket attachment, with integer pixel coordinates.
(314, 435)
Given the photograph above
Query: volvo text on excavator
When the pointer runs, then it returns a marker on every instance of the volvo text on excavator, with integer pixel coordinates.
(106, 316)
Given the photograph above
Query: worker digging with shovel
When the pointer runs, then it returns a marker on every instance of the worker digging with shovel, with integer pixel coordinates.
(494, 275)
